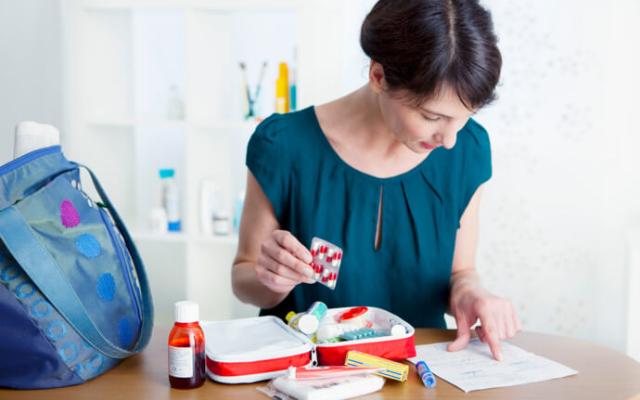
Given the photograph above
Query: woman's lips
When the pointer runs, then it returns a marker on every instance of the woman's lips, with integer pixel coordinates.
(427, 146)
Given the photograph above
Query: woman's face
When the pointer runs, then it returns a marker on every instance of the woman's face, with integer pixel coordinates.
(435, 123)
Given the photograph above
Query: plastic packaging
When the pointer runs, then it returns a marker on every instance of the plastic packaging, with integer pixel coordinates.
(329, 371)
(391, 369)
(186, 348)
(348, 387)
(327, 258)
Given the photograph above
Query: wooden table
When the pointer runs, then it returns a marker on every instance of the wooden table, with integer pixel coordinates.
(603, 374)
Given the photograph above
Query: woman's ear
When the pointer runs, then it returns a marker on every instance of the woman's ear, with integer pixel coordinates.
(376, 77)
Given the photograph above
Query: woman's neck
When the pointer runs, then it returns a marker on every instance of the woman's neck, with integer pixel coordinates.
(356, 121)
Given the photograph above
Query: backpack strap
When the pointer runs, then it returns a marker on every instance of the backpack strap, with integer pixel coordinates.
(147, 301)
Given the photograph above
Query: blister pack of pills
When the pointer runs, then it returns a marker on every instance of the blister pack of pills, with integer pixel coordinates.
(327, 258)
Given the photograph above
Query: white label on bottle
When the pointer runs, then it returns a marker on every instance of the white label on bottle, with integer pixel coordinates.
(181, 362)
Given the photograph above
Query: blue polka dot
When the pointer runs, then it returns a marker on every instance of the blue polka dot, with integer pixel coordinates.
(106, 286)
(125, 332)
(68, 352)
(95, 362)
(88, 245)
(24, 290)
(40, 309)
(10, 272)
(56, 330)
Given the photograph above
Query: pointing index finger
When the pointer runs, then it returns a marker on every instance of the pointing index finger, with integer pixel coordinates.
(494, 343)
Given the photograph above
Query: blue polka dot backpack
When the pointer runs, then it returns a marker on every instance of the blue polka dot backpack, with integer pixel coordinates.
(74, 297)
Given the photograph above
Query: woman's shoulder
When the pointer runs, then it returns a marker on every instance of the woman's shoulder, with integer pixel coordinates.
(467, 163)
(474, 136)
(285, 130)
(283, 140)
(472, 149)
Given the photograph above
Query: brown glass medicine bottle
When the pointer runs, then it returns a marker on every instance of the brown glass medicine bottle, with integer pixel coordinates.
(186, 348)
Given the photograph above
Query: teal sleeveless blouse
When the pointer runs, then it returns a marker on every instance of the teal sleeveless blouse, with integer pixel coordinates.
(315, 193)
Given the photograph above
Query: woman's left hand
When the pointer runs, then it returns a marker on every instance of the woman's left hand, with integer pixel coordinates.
(498, 319)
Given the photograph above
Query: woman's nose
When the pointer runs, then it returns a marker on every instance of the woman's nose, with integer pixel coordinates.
(449, 139)
(446, 137)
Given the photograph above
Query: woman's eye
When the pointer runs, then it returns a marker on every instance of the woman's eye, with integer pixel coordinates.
(430, 118)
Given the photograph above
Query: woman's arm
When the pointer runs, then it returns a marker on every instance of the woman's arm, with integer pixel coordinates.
(469, 301)
(269, 262)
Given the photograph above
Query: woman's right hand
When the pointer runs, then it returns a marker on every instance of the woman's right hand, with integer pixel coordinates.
(283, 262)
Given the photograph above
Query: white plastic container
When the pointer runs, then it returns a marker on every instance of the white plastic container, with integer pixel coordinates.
(209, 203)
(170, 199)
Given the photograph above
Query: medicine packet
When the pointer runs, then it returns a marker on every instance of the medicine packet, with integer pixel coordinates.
(327, 258)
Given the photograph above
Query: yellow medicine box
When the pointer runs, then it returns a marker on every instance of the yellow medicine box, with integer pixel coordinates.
(392, 370)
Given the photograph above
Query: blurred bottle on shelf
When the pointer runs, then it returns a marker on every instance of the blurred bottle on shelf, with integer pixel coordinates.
(282, 89)
(221, 223)
(170, 199)
(237, 212)
(209, 204)
(293, 87)
(175, 105)
(158, 221)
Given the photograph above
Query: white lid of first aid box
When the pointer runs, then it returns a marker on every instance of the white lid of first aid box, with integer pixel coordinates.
(252, 339)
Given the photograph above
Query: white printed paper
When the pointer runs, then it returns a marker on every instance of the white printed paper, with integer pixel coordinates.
(474, 368)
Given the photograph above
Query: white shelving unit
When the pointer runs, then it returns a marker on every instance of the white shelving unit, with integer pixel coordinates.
(123, 57)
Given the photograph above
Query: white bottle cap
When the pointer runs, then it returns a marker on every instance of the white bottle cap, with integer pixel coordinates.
(398, 330)
(186, 312)
(308, 324)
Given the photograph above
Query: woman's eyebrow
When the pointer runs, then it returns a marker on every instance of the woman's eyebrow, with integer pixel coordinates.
(435, 113)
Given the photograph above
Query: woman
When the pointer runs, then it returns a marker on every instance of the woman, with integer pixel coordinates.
(392, 173)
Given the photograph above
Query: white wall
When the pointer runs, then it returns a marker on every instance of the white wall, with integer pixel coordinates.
(557, 211)
(30, 66)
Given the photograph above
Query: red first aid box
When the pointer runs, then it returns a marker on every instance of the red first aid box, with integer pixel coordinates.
(262, 348)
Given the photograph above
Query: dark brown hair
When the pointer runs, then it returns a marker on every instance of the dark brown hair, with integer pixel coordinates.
(424, 45)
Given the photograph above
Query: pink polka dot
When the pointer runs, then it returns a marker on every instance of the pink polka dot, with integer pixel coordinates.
(68, 214)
